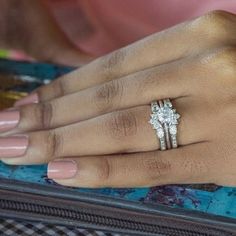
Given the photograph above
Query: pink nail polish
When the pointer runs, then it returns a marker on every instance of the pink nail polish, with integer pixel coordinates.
(30, 99)
(9, 120)
(13, 146)
(62, 169)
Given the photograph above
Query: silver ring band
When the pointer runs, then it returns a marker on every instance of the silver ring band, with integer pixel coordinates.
(166, 127)
(173, 125)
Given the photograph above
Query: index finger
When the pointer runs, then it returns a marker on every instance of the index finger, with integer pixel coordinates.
(159, 48)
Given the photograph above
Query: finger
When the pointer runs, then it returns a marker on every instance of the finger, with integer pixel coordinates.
(185, 77)
(177, 166)
(133, 90)
(72, 56)
(118, 132)
(169, 45)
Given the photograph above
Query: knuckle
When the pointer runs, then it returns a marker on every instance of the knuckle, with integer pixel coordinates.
(150, 79)
(158, 169)
(108, 94)
(223, 60)
(217, 16)
(215, 23)
(60, 88)
(46, 115)
(122, 124)
(54, 144)
(105, 171)
(111, 64)
(195, 168)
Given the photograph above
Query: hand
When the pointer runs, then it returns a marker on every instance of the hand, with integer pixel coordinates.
(92, 125)
(27, 25)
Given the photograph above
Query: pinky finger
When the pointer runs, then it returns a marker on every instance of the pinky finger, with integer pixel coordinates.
(179, 166)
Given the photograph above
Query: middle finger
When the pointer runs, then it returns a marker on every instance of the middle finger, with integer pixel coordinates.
(134, 90)
(123, 131)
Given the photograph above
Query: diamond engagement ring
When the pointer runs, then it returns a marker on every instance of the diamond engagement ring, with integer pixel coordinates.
(164, 119)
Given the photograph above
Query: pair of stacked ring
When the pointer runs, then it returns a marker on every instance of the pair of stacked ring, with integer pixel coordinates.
(164, 119)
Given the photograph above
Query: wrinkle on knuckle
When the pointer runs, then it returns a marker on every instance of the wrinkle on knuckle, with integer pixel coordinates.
(60, 88)
(111, 64)
(157, 77)
(190, 166)
(197, 168)
(158, 169)
(34, 112)
(46, 115)
(54, 144)
(104, 175)
(123, 124)
(107, 95)
(149, 80)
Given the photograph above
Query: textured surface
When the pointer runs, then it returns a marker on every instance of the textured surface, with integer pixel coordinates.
(14, 228)
(215, 200)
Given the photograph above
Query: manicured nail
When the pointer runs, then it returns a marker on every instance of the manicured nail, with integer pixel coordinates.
(9, 119)
(62, 169)
(30, 99)
(13, 146)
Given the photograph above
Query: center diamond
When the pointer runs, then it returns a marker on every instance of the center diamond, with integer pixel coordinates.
(167, 115)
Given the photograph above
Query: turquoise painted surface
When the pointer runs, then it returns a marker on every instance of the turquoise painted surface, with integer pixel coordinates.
(221, 201)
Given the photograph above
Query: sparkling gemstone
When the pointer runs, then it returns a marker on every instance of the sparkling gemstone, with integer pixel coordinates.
(155, 108)
(154, 121)
(168, 103)
(177, 116)
(167, 115)
(164, 115)
(173, 129)
(160, 133)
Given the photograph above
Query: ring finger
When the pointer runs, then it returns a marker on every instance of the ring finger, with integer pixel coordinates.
(122, 131)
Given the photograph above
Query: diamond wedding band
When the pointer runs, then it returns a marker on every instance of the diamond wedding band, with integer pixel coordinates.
(164, 119)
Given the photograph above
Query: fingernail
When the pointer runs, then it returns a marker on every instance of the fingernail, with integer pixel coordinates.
(9, 120)
(13, 146)
(62, 169)
(30, 99)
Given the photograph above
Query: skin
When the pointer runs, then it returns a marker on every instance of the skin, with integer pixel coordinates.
(98, 115)
(19, 33)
